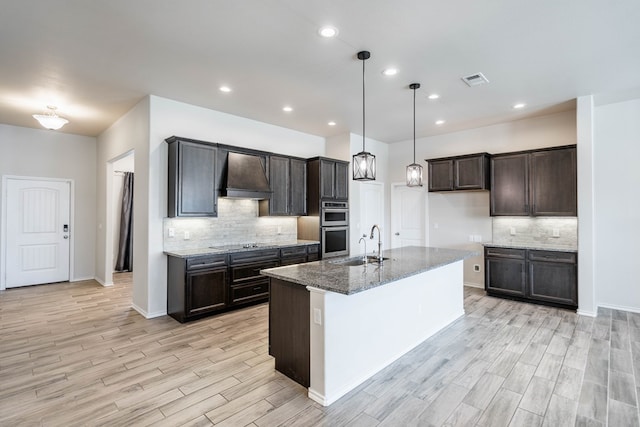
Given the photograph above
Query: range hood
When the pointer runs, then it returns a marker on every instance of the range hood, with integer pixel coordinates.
(246, 178)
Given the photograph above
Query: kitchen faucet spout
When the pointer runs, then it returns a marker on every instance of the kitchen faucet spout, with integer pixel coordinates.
(375, 226)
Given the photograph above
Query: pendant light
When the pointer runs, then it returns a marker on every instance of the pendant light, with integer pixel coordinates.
(50, 119)
(414, 170)
(364, 163)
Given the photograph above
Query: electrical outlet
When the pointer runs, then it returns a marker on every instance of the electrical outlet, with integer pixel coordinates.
(172, 232)
(512, 231)
(187, 235)
(317, 316)
(555, 232)
(472, 238)
(476, 268)
(279, 229)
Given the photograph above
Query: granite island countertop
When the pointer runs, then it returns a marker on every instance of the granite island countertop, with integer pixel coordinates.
(534, 246)
(335, 276)
(226, 249)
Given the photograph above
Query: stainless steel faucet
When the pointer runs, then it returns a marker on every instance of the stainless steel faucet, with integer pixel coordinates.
(363, 239)
(379, 241)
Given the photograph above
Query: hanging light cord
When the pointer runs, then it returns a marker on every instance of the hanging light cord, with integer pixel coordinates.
(363, 112)
(414, 125)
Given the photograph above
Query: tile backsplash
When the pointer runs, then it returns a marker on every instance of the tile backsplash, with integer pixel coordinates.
(237, 222)
(536, 230)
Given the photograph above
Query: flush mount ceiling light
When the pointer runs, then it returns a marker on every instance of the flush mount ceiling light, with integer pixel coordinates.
(414, 170)
(287, 109)
(328, 31)
(364, 163)
(225, 89)
(434, 96)
(332, 123)
(50, 119)
(390, 71)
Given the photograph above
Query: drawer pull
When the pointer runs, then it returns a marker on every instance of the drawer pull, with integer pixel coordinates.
(257, 288)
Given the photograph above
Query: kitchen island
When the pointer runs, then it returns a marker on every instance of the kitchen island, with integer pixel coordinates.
(335, 323)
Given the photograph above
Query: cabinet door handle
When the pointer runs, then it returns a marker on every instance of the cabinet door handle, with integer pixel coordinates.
(257, 288)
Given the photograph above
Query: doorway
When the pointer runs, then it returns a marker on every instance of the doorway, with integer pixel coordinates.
(117, 170)
(408, 216)
(37, 230)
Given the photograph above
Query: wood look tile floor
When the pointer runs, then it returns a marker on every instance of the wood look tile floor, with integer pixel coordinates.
(77, 354)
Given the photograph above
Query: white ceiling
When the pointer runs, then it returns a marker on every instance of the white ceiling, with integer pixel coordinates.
(94, 60)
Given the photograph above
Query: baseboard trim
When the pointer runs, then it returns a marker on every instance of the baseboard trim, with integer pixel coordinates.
(474, 285)
(147, 315)
(620, 307)
(586, 313)
(102, 282)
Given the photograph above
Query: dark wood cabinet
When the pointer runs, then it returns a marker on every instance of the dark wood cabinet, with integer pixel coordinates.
(554, 184)
(546, 277)
(553, 277)
(505, 271)
(196, 286)
(192, 178)
(460, 173)
(200, 286)
(535, 183)
(288, 181)
(327, 179)
(510, 185)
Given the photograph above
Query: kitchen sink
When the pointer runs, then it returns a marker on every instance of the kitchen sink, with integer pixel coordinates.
(355, 261)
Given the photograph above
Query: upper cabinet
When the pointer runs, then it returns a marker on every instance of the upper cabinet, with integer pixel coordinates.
(192, 178)
(535, 183)
(328, 179)
(288, 181)
(460, 173)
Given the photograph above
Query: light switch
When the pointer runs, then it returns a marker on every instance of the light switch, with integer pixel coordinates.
(187, 235)
(317, 316)
(512, 231)
(556, 232)
(172, 232)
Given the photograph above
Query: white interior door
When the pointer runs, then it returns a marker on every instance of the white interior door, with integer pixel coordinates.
(408, 218)
(38, 234)
(371, 212)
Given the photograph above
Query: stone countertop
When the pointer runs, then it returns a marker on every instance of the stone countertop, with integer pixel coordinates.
(535, 246)
(331, 275)
(217, 249)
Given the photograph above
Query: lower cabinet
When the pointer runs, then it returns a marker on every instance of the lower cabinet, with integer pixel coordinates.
(201, 286)
(546, 277)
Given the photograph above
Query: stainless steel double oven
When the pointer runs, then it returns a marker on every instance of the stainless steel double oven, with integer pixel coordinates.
(334, 229)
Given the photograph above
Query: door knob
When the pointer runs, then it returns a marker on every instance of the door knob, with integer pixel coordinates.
(397, 234)
(65, 236)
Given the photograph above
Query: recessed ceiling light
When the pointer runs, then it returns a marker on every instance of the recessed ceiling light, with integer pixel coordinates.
(332, 123)
(287, 109)
(225, 89)
(434, 96)
(520, 105)
(390, 71)
(328, 31)
(440, 122)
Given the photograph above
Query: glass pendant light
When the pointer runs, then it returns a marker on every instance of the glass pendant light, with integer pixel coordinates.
(364, 163)
(414, 170)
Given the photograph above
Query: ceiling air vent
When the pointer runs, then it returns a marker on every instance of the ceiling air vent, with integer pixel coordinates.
(475, 79)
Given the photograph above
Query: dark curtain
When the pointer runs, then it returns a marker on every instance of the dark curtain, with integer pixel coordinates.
(125, 247)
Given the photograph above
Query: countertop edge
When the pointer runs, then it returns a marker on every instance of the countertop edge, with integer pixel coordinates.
(188, 253)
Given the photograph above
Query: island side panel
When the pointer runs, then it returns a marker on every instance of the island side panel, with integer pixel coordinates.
(289, 329)
(362, 333)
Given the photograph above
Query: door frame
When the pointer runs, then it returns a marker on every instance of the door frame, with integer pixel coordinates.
(3, 214)
(425, 217)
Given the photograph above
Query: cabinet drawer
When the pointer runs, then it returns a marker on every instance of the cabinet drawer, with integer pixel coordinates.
(504, 253)
(293, 260)
(253, 256)
(208, 261)
(552, 256)
(250, 291)
(248, 272)
(293, 251)
(313, 249)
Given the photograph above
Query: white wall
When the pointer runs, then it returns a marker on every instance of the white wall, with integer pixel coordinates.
(617, 204)
(129, 134)
(461, 214)
(51, 154)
